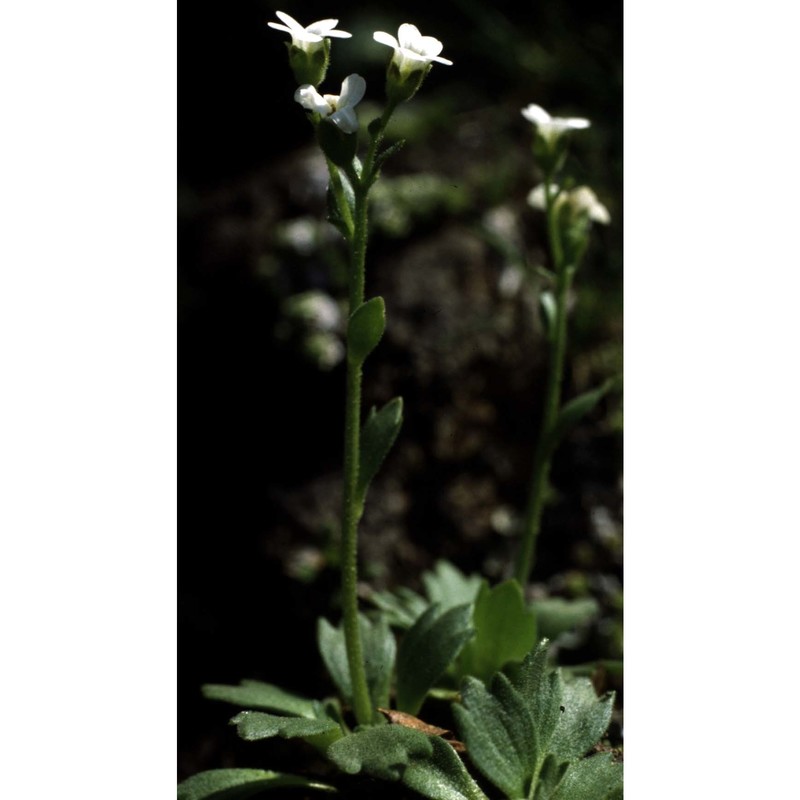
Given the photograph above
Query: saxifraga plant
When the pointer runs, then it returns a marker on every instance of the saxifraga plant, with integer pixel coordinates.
(524, 727)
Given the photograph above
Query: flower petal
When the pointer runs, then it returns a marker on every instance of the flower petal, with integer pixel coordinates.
(577, 123)
(428, 45)
(386, 38)
(346, 119)
(279, 27)
(443, 60)
(310, 98)
(408, 35)
(535, 114)
(322, 26)
(353, 89)
(294, 25)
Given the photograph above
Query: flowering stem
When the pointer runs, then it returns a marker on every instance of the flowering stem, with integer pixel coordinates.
(351, 506)
(555, 373)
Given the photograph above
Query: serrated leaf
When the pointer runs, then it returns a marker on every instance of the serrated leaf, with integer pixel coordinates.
(238, 784)
(499, 733)
(442, 775)
(505, 631)
(427, 649)
(574, 411)
(594, 778)
(382, 752)
(584, 720)
(401, 608)
(365, 329)
(255, 725)
(427, 765)
(379, 649)
(255, 694)
(377, 437)
(449, 587)
(556, 615)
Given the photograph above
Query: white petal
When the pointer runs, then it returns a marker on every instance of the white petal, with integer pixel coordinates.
(322, 26)
(325, 27)
(408, 35)
(294, 25)
(599, 213)
(386, 38)
(346, 119)
(443, 60)
(535, 114)
(429, 46)
(279, 27)
(353, 89)
(577, 123)
(310, 98)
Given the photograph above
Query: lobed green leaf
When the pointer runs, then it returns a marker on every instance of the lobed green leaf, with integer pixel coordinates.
(593, 778)
(584, 720)
(255, 725)
(449, 587)
(556, 615)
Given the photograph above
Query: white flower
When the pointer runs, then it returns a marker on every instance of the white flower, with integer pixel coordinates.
(339, 109)
(412, 50)
(549, 127)
(304, 38)
(582, 200)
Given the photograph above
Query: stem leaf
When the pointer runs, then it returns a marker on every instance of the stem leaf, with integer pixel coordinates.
(365, 329)
(255, 725)
(262, 696)
(377, 437)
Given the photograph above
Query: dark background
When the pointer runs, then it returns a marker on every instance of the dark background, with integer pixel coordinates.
(260, 426)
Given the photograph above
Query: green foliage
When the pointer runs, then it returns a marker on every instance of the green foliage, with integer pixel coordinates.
(427, 649)
(262, 696)
(426, 764)
(379, 648)
(445, 585)
(505, 631)
(255, 725)
(574, 411)
(527, 733)
(365, 329)
(556, 616)
(238, 784)
(377, 437)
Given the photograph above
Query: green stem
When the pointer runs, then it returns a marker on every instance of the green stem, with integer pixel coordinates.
(555, 373)
(351, 506)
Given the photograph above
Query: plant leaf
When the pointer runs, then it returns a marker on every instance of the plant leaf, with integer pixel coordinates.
(498, 729)
(442, 776)
(575, 410)
(379, 648)
(382, 752)
(255, 694)
(237, 784)
(584, 720)
(449, 587)
(427, 765)
(255, 725)
(365, 329)
(427, 649)
(401, 608)
(593, 778)
(505, 631)
(556, 615)
(377, 437)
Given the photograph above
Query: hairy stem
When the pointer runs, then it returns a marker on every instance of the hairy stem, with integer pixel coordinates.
(558, 344)
(351, 505)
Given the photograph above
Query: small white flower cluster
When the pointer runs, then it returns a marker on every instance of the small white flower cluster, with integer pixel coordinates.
(412, 51)
(551, 128)
(582, 200)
